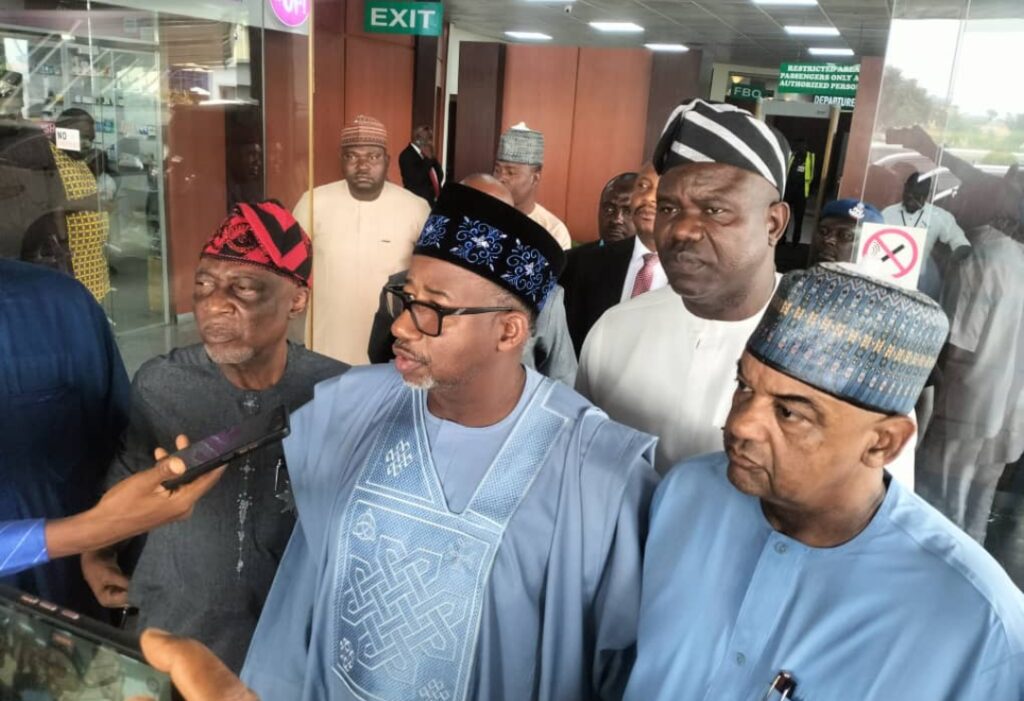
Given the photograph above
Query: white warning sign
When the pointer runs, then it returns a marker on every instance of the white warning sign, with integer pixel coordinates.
(68, 139)
(892, 253)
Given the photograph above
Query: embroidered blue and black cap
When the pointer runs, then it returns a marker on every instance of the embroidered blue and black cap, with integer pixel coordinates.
(860, 339)
(484, 235)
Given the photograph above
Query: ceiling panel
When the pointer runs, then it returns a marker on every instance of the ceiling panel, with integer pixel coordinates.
(728, 30)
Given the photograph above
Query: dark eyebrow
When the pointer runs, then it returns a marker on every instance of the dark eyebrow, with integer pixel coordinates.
(799, 399)
(792, 398)
(437, 293)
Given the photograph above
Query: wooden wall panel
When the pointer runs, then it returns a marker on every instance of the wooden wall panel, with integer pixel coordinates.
(607, 130)
(196, 196)
(858, 148)
(286, 115)
(674, 78)
(329, 97)
(379, 82)
(480, 99)
(540, 89)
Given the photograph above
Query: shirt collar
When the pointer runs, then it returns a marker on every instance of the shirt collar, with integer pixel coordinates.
(416, 148)
(639, 249)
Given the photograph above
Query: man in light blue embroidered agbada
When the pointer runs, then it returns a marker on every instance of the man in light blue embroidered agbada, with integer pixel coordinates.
(793, 558)
(467, 529)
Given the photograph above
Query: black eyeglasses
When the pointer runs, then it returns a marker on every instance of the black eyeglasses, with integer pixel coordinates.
(428, 316)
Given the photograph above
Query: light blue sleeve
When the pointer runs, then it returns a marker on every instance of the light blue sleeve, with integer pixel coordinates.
(276, 665)
(616, 608)
(22, 545)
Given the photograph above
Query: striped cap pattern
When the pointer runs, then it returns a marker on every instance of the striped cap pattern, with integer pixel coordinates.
(365, 131)
(699, 131)
(264, 234)
(860, 339)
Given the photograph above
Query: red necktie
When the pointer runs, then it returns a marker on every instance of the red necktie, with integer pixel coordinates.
(645, 277)
(435, 183)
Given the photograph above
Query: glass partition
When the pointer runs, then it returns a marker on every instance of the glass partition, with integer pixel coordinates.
(948, 143)
(131, 128)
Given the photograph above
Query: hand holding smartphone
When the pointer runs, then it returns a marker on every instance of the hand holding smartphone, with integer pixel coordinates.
(231, 443)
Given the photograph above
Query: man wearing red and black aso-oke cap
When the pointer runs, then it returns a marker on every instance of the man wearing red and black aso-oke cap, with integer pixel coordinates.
(207, 578)
(468, 529)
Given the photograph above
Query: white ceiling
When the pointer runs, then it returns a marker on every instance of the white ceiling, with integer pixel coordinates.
(735, 31)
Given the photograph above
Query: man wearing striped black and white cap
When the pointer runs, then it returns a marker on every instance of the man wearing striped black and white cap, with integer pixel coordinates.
(665, 362)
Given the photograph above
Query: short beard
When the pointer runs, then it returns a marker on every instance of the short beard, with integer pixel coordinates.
(230, 356)
(426, 384)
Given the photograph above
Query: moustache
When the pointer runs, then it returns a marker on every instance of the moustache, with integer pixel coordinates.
(401, 346)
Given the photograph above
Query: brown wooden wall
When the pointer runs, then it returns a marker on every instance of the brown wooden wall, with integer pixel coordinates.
(355, 73)
(286, 116)
(858, 148)
(608, 129)
(540, 89)
(591, 104)
(480, 100)
(196, 192)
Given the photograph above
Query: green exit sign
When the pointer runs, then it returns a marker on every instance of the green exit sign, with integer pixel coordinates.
(421, 18)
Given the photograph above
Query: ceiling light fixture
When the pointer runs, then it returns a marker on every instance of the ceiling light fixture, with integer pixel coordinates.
(824, 51)
(528, 36)
(677, 48)
(811, 31)
(630, 27)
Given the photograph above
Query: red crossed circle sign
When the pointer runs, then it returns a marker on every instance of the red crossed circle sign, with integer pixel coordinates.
(895, 247)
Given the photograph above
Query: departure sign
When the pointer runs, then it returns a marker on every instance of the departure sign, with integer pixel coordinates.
(387, 17)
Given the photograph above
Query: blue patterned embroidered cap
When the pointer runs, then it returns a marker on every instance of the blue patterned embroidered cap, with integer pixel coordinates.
(860, 339)
(484, 235)
(852, 208)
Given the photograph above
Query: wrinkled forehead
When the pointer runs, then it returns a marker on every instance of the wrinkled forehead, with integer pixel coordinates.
(229, 269)
(706, 179)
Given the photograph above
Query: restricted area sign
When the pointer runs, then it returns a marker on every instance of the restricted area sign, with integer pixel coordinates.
(892, 253)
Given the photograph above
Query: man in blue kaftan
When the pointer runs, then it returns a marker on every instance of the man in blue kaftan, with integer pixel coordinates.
(468, 529)
(793, 560)
(63, 406)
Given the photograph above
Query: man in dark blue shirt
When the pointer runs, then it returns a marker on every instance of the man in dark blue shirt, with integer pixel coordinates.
(63, 406)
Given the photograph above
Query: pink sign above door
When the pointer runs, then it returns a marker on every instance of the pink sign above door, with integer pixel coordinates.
(292, 13)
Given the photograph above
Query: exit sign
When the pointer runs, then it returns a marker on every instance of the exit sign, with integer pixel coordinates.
(386, 17)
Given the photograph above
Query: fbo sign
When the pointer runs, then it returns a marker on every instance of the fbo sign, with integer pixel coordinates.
(292, 13)
(421, 18)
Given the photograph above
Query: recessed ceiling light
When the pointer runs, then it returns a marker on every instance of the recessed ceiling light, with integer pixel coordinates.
(785, 2)
(822, 51)
(529, 36)
(811, 31)
(678, 48)
(616, 26)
